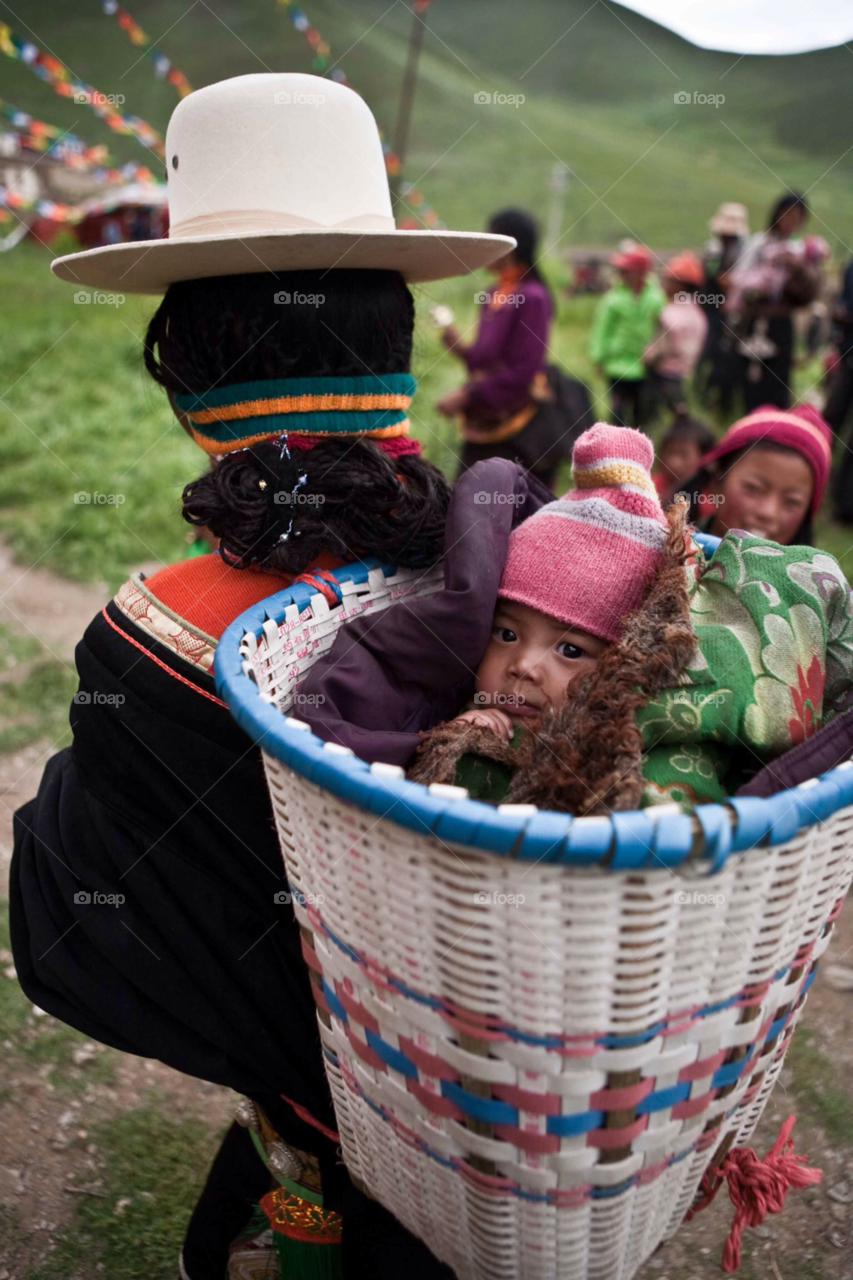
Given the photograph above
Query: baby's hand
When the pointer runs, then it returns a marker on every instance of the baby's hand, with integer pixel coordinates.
(489, 718)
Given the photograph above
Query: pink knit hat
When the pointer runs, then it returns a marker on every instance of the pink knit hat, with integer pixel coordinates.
(586, 558)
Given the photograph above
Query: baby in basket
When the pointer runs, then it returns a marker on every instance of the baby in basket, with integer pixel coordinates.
(624, 667)
(592, 616)
(623, 671)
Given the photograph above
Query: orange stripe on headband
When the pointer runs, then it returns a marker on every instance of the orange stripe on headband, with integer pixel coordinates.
(297, 404)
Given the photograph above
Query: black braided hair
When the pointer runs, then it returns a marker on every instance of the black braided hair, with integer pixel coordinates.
(275, 507)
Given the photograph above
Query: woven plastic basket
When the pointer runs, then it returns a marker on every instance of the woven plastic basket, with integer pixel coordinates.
(538, 1030)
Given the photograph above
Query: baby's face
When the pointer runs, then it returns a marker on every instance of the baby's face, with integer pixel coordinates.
(530, 660)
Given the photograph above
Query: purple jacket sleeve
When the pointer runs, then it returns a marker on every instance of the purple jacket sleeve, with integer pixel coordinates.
(390, 675)
(510, 349)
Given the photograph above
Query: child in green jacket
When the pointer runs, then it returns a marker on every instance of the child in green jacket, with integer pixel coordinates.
(625, 322)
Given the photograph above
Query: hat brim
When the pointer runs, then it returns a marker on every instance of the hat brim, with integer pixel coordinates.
(725, 228)
(150, 266)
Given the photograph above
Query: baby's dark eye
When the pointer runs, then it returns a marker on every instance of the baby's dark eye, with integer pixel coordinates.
(568, 650)
(504, 633)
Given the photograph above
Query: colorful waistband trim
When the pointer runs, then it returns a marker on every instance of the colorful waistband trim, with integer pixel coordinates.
(235, 417)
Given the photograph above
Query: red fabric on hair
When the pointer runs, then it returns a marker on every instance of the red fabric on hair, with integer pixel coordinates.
(394, 446)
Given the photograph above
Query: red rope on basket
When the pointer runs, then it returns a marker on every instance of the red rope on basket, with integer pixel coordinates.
(756, 1187)
(323, 582)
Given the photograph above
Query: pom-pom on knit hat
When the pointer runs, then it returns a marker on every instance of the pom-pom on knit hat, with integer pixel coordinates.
(587, 558)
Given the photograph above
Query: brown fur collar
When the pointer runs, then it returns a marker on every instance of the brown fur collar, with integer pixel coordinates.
(585, 757)
(445, 745)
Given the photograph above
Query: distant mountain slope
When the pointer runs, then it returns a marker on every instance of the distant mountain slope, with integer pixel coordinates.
(599, 83)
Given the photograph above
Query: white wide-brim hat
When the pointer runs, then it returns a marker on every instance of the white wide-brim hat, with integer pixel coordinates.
(277, 173)
(731, 219)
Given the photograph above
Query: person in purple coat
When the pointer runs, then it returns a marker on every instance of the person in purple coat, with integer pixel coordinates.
(507, 382)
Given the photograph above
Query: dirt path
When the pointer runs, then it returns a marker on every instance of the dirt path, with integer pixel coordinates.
(46, 1146)
(35, 602)
(46, 1141)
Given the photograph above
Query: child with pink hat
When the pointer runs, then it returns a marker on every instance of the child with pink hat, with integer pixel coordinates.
(625, 670)
(608, 664)
(573, 572)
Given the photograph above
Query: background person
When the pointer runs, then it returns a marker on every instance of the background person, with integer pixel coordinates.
(838, 401)
(506, 362)
(682, 446)
(729, 228)
(624, 322)
(772, 278)
(671, 356)
(766, 476)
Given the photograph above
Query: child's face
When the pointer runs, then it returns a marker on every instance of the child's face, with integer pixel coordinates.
(766, 494)
(679, 460)
(634, 278)
(530, 660)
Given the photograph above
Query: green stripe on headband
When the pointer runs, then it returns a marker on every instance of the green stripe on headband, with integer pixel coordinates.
(314, 423)
(385, 384)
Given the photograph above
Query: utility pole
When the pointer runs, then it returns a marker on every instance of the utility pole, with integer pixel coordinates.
(407, 92)
(559, 185)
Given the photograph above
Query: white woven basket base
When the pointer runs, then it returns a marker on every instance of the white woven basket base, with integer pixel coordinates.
(586, 953)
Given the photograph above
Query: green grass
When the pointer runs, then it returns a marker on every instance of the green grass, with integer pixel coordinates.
(79, 414)
(35, 691)
(820, 1094)
(157, 1161)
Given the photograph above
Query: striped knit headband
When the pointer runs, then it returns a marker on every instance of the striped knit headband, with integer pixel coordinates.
(373, 406)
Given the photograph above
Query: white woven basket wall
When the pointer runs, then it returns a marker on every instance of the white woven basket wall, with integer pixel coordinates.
(536, 1084)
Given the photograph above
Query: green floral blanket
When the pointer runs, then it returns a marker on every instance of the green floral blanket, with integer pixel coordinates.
(774, 661)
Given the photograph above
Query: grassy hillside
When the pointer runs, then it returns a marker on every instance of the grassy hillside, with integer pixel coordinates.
(78, 413)
(599, 86)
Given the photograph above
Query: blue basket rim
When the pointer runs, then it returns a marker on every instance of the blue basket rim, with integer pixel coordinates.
(627, 840)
